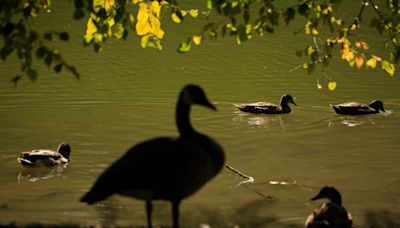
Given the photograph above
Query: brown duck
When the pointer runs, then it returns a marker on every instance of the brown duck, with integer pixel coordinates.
(268, 108)
(355, 108)
(329, 214)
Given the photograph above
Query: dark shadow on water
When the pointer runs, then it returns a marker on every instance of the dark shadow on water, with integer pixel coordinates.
(382, 219)
(248, 215)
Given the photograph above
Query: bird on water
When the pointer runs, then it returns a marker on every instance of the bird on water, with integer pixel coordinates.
(329, 214)
(165, 168)
(355, 108)
(268, 108)
(46, 157)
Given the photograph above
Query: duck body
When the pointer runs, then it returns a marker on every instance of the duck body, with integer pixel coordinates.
(267, 107)
(329, 214)
(164, 168)
(46, 157)
(356, 108)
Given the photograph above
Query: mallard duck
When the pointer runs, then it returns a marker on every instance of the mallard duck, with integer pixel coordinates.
(330, 214)
(164, 168)
(46, 157)
(355, 108)
(268, 108)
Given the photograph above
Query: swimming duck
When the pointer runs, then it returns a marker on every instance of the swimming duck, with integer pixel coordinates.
(355, 108)
(164, 168)
(46, 157)
(268, 108)
(330, 214)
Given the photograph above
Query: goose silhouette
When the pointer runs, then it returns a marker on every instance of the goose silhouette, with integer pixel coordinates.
(329, 214)
(267, 107)
(165, 168)
(46, 157)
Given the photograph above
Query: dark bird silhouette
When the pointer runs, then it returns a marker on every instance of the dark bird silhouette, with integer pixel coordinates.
(46, 157)
(165, 168)
(355, 108)
(268, 108)
(329, 214)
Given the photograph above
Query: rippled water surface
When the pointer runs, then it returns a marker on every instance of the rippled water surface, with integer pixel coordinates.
(128, 94)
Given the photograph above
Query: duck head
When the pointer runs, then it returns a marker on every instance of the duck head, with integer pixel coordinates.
(193, 94)
(64, 149)
(286, 99)
(329, 193)
(377, 105)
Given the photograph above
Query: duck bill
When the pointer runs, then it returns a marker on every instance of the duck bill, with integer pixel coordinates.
(316, 197)
(293, 103)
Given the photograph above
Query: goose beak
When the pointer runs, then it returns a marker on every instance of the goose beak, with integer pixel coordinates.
(210, 105)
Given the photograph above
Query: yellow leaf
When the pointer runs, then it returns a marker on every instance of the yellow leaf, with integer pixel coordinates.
(359, 61)
(155, 8)
(142, 25)
(143, 14)
(109, 4)
(98, 4)
(347, 54)
(156, 27)
(332, 86)
(175, 18)
(91, 27)
(371, 63)
(388, 67)
(364, 45)
(358, 44)
(144, 41)
(377, 58)
(194, 12)
(142, 28)
(310, 50)
(197, 39)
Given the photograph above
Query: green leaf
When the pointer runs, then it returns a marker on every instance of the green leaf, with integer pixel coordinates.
(184, 47)
(289, 15)
(118, 31)
(64, 36)
(388, 67)
(58, 67)
(41, 52)
(16, 79)
(32, 74)
(48, 36)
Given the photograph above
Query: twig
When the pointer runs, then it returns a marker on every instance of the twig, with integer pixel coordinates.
(248, 179)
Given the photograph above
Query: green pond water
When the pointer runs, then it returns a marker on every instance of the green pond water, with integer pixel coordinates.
(128, 94)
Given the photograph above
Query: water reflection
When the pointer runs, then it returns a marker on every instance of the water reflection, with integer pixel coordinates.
(382, 219)
(258, 120)
(34, 174)
(354, 121)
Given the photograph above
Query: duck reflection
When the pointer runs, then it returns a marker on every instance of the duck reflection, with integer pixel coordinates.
(33, 174)
(355, 121)
(258, 121)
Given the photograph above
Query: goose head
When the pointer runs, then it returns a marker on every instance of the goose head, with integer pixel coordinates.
(193, 94)
(286, 99)
(377, 105)
(64, 149)
(329, 193)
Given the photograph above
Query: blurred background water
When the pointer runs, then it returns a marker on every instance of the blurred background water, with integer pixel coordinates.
(128, 94)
